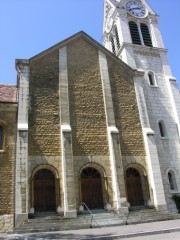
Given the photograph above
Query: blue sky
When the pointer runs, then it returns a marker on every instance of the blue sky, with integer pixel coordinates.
(28, 27)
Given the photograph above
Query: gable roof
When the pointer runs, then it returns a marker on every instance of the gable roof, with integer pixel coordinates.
(8, 93)
(73, 38)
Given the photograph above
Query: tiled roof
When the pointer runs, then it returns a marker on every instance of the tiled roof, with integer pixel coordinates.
(7, 93)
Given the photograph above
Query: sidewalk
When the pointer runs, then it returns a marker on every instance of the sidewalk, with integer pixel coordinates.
(143, 229)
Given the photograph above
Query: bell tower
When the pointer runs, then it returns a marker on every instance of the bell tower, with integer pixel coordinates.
(131, 32)
(127, 24)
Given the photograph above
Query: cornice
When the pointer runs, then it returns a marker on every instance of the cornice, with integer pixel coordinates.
(20, 64)
(143, 50)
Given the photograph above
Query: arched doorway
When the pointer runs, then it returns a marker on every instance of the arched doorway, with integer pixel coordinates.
(44, 191)
(134, 187)
(91, 188)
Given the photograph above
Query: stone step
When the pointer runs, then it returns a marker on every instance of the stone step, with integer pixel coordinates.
(72, 221)
(75, 224)
(50, 229)
(54, 222)
(150, 216)
(79, 218)
(67, 224)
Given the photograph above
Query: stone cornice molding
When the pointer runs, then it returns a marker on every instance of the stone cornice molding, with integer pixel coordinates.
(142, 50)
(153, 18)
(20, 64)
(139, 73)
(66, 128)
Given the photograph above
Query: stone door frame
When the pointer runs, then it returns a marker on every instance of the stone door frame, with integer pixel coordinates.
(144, 182)
(57, 184)
(104, 183)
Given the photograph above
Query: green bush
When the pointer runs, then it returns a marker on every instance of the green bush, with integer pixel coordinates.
(176, 199)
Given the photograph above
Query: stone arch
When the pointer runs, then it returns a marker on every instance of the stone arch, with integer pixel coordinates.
(52, 184)
(138, 167)
(97, 166)
(44, 166)
(103, 180)
(143, 182)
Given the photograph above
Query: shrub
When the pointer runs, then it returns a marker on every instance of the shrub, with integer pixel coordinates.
(176, 199)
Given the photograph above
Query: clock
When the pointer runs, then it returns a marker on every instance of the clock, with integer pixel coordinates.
(109, 21)
(136, 9)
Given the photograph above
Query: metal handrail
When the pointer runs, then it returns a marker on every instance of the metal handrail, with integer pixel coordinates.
(92, 215)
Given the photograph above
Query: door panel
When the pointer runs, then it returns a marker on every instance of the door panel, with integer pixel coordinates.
(91, 189)
(92, 193)
(134, 187)
(44, 193)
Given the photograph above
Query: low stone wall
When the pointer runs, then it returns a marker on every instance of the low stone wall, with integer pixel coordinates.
(6, 223)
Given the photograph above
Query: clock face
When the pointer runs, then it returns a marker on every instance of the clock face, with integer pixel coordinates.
(136, 9)
(109, 21)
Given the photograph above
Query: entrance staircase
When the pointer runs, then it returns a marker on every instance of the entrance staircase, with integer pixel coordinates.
(145, 215)
(52, 222)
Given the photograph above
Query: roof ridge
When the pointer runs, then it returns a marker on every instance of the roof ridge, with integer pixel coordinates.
(2, 84)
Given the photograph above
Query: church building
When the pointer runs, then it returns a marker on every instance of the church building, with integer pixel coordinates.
(92, 124)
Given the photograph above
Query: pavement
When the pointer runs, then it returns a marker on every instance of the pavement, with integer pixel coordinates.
(108, 233)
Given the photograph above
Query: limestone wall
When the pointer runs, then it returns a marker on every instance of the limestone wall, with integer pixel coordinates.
(6, 223)
(88, 119)
(7, 161)
(160, 107)
(126, 110)
(44, 130)
(87, 113)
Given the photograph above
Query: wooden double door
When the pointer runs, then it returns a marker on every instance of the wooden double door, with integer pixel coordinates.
(91, 188)
(134, 187)
(44, 191)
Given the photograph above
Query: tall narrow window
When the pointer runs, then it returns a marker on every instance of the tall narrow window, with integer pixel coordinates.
(162, 129)
(172, 180)
(146, 35)
(117, 37)
(1, 138)
(134, 33)
(170, 177)
(113, 45)
(151, 82)
(151, 78)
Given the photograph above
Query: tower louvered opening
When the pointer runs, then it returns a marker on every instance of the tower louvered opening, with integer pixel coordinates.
(113, 45)
(146, 35)
(117, 37)
(134, 33)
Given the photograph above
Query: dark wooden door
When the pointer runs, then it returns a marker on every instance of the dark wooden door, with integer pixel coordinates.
(91, 188)
(134, 187)
(44, 191)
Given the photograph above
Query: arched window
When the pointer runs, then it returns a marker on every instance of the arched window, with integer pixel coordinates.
(134, 33)
(1, 137)
(146, 35)
(151, 78)
(117, 37)
(162, 129)
(113, 45)
(172, 180)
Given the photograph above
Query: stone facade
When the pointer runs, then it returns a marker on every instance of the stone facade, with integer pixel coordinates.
(83, 111)
(43, 118)
(8, 112)
(126, 110)
(87, 113)
(78, 117)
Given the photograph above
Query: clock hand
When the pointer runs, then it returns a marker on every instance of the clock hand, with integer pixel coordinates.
(135, 8)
